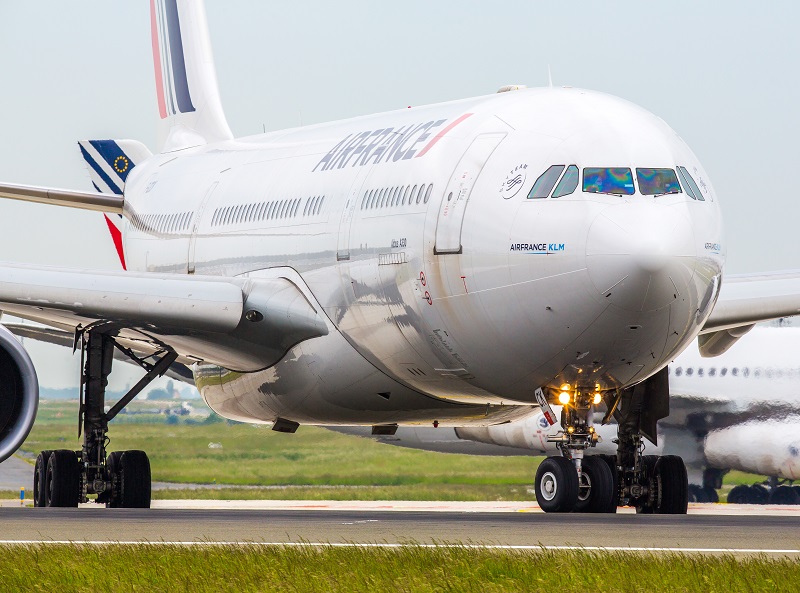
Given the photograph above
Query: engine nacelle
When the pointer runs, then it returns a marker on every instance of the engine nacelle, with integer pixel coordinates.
(19, 394)
(767, 448)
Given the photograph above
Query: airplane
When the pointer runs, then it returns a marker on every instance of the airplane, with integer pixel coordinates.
(446, 265)
(740, 411)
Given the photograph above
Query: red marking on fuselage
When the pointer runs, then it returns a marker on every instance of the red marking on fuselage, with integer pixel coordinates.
(441, 134)
(162, 105)
(116, 236)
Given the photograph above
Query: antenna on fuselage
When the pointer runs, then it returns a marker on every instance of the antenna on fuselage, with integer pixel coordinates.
(549, 77)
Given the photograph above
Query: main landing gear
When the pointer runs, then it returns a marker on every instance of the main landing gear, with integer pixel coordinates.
(601, 483)
(64, 478)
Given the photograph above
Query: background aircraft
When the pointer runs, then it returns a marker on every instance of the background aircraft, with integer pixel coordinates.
(738, 411)
(335, 274)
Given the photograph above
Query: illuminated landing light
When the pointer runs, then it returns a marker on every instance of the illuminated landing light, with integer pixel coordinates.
(565, 387)
(597, 398)
(563, 398)
(570, 429)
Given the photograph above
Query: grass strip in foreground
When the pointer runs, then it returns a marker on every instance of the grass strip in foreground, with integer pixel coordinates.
(410, 568)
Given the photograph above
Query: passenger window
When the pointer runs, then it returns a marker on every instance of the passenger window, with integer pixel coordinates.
(544, 185)
(568, 183)
(616, 181)
(690, 185)
(657, 182)
(405, 194)
(428, 193)
(421, 192)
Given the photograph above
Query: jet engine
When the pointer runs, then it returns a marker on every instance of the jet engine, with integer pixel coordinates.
(767, 448)
(19, 394)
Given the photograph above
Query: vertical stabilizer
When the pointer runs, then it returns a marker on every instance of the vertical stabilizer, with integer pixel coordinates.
(189, 106)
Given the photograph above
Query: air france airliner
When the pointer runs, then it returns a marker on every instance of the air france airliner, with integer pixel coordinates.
(451, 264)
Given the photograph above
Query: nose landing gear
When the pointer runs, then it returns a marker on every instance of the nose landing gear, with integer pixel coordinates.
(64, 478)
(650, 483)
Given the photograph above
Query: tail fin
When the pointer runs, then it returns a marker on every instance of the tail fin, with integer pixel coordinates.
(186, 82)
(109, 163)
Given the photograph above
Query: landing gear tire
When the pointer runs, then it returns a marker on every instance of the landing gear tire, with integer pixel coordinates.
(758, 494)
(134, 480)
(701, 494)
(783, 495)
(62, 479)
(739, 494)
(668, 482)
(40, 479)
(597, 488)
(112, 497)
(556, 485)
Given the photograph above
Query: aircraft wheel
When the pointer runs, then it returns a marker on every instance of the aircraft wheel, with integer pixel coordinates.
(697, 493)
(783, 495)
(112, 470)
(62, 479)
(40, 479)
(669, 484)
(758, 494)
(739, 494)
(596, 490)
(134, 480)
(556, 485)
(711, 494)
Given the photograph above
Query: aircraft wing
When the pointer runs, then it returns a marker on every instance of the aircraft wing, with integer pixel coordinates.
(58, 337)
(243, 324)
(97, 201)
(745, 300)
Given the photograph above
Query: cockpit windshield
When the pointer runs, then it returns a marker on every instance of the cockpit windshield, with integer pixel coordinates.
(657, 182)
(608, 180)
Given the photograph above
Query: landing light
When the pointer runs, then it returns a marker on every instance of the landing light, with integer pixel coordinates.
(565, 387)
(570, 429)
(563, 398)
(597, 398)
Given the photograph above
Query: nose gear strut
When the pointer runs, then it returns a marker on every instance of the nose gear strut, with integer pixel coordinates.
(650, 483)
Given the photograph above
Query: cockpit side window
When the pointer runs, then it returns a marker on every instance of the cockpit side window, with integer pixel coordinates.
(608, 180)
(690, 185)
(544, 185)
(568, 183)
(657, 182)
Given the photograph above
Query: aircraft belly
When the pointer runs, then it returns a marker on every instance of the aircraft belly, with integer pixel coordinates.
(326, 381)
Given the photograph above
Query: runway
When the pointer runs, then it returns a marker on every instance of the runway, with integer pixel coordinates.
(775, 534)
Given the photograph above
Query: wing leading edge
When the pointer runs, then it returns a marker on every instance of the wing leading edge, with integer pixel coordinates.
(242, 324)
(745, 300)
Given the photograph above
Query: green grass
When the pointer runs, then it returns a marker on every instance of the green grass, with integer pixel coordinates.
(307, 463)
(199, 569)
(256, 455)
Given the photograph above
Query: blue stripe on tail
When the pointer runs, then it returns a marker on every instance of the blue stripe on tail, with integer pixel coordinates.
(115, 157)
(178, 60)
(99, 170)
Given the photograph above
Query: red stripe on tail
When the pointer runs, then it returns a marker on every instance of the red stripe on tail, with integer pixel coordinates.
(116, 236)
(162, 105)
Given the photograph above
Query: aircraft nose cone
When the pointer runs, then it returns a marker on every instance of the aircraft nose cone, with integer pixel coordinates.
(641, 257)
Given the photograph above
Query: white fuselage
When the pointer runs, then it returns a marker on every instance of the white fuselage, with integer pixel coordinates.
(456, 302)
